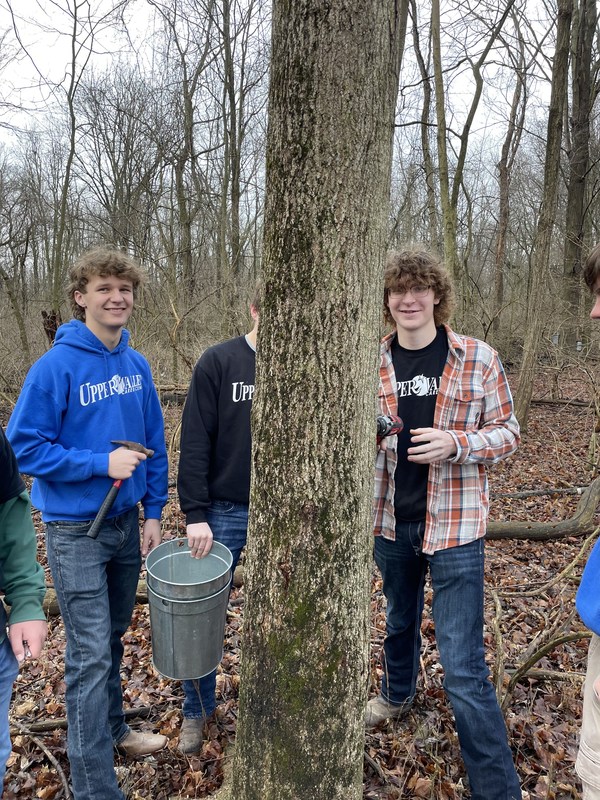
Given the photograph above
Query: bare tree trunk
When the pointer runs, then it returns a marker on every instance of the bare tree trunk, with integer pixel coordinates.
(450, 193)
(579, 159)
(510, 146)
(19, 318)
(448, 210)
(428, 165)
(543, 237)
(305, 663)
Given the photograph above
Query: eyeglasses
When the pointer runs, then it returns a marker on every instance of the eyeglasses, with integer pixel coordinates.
(418, 290)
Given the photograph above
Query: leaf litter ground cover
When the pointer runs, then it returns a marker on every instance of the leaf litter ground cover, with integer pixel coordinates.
(527, 616)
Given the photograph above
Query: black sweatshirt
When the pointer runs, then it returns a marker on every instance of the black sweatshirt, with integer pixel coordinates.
(214, 462)
(11, 483)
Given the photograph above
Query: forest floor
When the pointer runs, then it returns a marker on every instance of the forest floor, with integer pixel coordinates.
(419, 756)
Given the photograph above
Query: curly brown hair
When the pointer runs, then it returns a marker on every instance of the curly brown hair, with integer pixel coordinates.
(415, 264)
(256, 299)
(591, 268)
(103, 261)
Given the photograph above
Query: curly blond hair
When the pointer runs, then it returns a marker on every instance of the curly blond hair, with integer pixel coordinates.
(103, 261)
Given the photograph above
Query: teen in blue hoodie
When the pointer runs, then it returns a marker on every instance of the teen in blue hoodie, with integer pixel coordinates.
(86, 392)
(587, 764)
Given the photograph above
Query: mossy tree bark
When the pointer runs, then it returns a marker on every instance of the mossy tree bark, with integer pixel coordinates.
(305, 662)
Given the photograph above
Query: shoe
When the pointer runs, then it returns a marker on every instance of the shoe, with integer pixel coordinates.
(191, 734)
(138, 743)
(378, 710)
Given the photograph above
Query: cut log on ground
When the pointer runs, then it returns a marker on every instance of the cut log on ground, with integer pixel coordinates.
(52, 609)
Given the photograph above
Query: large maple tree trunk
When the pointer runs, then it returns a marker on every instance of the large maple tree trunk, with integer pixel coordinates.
(305, 659)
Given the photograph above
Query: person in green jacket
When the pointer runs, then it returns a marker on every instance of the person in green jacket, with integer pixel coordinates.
(22, 579)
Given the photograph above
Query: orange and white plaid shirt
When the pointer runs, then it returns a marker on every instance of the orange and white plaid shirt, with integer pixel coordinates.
(475, 406)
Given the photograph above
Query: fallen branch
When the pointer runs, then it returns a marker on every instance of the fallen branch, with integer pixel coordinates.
(377, 769)
(521, 671)
(499, 664)
(59, 723)
(550, 675)
(548, 401)
(27, 731)
(565, 573)
(540, 492)
(580, 524)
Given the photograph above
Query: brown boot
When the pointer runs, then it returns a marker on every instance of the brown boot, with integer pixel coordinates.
(138, 743)
(190, 736)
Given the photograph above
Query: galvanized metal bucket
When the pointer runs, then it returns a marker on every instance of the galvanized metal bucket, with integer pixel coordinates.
(188, 607)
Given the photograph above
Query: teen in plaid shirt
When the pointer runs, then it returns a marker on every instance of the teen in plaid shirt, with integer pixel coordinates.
(431, 504)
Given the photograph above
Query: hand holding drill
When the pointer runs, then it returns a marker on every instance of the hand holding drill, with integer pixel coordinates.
(388, 425)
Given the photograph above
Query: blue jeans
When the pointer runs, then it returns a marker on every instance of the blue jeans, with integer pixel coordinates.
(95, 582)
(229, 525)
(457, 581)
(9, 669)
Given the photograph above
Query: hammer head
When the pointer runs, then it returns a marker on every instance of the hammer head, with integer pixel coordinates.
(139, 448)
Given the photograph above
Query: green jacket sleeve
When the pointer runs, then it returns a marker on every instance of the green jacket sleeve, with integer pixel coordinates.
(22, 577)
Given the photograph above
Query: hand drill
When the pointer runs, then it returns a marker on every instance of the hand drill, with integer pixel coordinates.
(388, 425)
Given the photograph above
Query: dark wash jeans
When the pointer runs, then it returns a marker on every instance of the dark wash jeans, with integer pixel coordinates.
(229, 525)
(9, 669)
(457, 581)
(95, 582)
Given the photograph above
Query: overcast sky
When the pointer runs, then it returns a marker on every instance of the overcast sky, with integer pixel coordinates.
(38, 54)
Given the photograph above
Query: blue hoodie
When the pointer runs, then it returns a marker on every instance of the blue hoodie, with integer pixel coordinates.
(77, 398)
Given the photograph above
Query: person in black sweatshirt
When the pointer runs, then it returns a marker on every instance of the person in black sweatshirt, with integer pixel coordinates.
(214, 479)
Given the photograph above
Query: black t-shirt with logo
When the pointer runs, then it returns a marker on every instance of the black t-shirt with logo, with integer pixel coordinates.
(418, 374)
(11, 484)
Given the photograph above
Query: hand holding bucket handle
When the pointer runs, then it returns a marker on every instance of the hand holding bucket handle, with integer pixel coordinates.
(114, 489)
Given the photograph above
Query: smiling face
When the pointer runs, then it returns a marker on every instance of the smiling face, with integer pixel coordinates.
(415, 267)
(107, 303)
(412, 309)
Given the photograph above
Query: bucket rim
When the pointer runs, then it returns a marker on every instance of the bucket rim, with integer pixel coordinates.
(156, 562)
(204, 599)
(179, 547)
(180, 543)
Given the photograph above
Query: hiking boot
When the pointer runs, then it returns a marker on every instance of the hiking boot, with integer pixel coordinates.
(191, 734)
(378, 710)
(138, 743)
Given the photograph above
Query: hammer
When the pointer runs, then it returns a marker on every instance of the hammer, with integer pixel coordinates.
(112, 492)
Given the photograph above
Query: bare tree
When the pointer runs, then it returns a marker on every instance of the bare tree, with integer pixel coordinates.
(80, 22)
(15, 235)
(538, 278)
(510, 146)
(243, 71)
(118, 157)
(583, 91)
(450, 189)
(426, 127)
